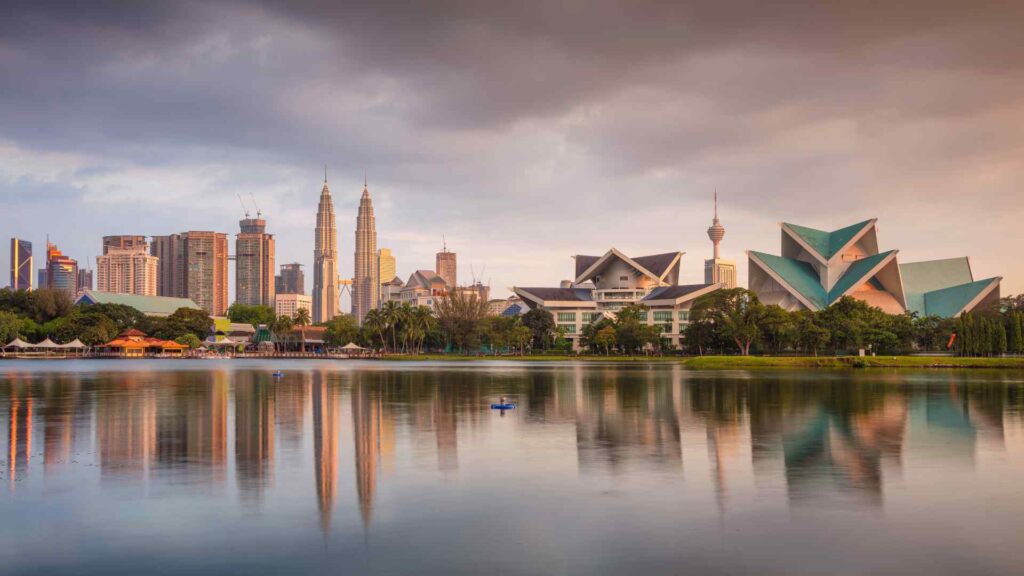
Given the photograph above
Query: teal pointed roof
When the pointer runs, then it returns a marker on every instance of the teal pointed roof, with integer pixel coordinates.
(827, 244)
(798, 274)
(920, 278)
(948, 302)
(856, 274)
(148, 305)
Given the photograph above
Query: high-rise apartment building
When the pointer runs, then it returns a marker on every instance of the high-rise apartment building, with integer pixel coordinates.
(291, 280)
(21, 264)
(170, 277)
(254, 263)
(194, 265)
(61, 270)
(386, 271)
(325, 259)
(127, 267)
(446, 266)
(718, 270)
(365, 286)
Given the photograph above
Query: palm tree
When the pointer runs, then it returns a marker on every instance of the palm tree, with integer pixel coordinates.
(303, 320)
(375, 322)
(422, 317)
(391, 315)
(280, 327)
(405, 318)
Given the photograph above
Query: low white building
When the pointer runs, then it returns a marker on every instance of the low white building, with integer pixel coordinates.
(289, 304)
(605, 284)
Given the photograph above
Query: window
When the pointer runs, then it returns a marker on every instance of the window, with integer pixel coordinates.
(662, 315)
(624, 278)
(566, 316)
(591, 317)
(569, 328)
(684, 315)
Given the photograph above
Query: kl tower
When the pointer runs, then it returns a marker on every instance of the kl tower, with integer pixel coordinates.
(718, 270)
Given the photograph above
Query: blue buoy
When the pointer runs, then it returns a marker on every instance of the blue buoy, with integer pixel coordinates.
(502, 406)
(278, 374)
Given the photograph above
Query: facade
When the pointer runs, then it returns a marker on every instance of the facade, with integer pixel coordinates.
(254, 263)
(148, 305)
(170, 276)
(84, 282)
(127, 267)
(446, 266)
(365, 283)
(817, 268)
(289, 304)
(477, 290)
(291, 280)
(603, 285)
(423, 289)
(61, 271)
(194, 265)
(325, 260)
(21, 264)
(391, 291)
(718, 270)
(386, 271)
(130, 242)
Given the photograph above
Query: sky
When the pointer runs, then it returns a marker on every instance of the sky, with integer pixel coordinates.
(521, 132)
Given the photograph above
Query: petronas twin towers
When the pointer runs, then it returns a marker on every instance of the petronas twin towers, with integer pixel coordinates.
(326, 282)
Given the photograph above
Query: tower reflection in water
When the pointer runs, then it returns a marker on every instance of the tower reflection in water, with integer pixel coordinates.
(816, 438)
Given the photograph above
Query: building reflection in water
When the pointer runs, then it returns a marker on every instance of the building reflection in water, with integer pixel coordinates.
(191, 431)
(254, 432)
(366, 427)
(19, 432)
(325, 445)
(126, 428)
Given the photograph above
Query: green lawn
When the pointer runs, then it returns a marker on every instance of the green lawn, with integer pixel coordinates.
(730, 362)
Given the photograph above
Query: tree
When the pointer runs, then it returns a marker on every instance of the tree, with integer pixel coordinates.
(281, 328)
(250, 314)
(13, 326)
(736, 312)
(460, 317)
(778, 330)
(605, 338)
(1016, 336)
(520, 337)
(542, 325)
(189, 340)
(302, 319)
(811, 336)
(376, 324)
(341, 330)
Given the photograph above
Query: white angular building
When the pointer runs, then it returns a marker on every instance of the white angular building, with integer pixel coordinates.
(604, 284)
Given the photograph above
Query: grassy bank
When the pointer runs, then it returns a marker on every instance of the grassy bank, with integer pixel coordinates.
(735, 362)
(727, 362)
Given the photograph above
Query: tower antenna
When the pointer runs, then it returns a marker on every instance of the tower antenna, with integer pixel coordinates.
(325, 173)
(444, 244)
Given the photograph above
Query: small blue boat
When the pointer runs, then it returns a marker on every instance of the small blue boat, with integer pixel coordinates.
(502, 406)
(278, 374)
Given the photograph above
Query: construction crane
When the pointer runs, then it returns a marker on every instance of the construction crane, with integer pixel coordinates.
(259, 213)
(244, 209)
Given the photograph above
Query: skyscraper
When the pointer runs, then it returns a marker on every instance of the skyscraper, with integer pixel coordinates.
(325, 260)
(21, 264)
(206, 270)
(61, 271)
(386, 270)
(254, 263)
(170, 277)
(84, 281)
(717, 270)
(446, 267)
(291, 280)
(365, 287)
(127, 267)
(194, 265)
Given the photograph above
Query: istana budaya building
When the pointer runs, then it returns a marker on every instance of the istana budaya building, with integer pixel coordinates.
(604, 284)
(817, 268)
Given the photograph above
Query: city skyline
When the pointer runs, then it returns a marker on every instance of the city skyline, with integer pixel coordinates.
(462, 141)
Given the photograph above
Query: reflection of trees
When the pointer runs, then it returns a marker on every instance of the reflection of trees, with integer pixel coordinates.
(624, 416)
(254, 432)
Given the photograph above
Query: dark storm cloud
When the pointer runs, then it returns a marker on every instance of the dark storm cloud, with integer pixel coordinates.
(464, 109)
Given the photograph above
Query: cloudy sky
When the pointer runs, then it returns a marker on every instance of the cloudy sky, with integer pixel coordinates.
(523, 132)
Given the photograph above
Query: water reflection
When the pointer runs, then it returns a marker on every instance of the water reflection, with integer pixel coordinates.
(835, 439)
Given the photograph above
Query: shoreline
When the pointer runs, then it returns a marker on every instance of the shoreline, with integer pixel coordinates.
(691, 362)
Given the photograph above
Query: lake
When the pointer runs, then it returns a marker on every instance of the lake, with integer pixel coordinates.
(215, 466)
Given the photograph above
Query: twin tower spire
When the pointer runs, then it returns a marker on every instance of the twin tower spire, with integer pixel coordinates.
(327, 284)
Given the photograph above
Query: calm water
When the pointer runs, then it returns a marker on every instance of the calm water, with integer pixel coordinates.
(215, 467)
